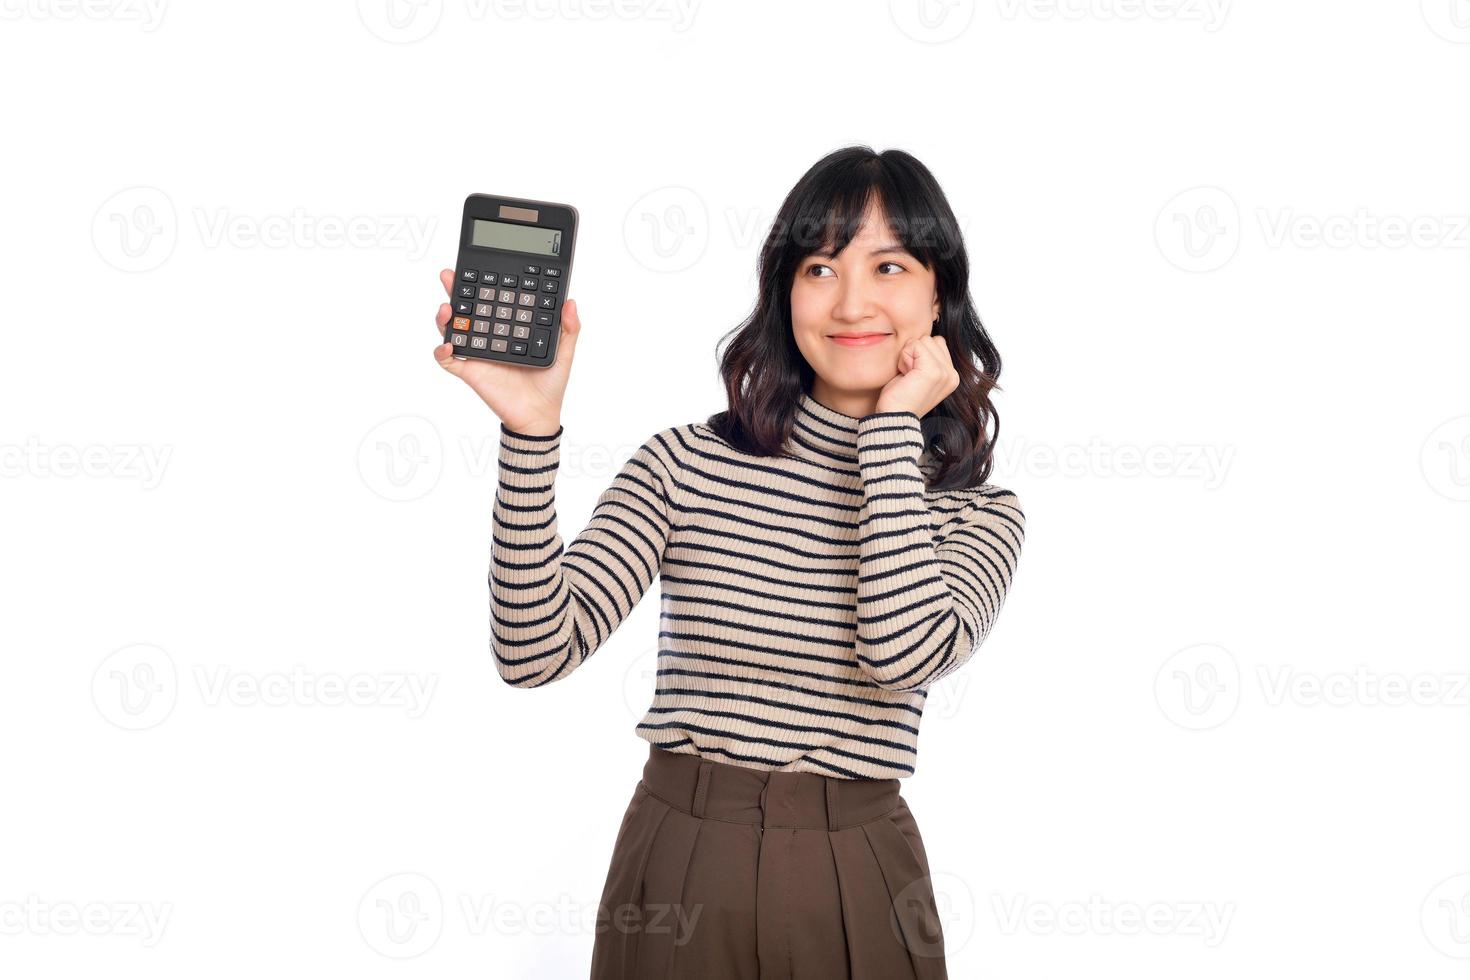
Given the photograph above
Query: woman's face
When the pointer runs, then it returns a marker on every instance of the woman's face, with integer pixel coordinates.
(853, 312)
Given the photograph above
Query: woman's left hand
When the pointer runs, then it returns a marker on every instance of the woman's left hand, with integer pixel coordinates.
(926, 376)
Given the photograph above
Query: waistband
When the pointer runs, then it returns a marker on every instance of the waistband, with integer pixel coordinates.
(803, 800)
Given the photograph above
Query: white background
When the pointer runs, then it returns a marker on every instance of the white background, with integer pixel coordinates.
(1226, 241)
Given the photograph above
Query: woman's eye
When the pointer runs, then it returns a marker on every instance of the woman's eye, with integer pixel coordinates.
(894, 264)
(811, 269)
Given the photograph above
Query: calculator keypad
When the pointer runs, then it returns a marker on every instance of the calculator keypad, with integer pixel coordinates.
(508, 310)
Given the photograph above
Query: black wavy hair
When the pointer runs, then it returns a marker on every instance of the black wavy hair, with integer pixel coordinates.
(763, 369)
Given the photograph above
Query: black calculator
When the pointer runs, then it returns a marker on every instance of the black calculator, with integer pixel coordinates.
(515, 260)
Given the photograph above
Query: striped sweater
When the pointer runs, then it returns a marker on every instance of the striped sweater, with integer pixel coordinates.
(807, 604)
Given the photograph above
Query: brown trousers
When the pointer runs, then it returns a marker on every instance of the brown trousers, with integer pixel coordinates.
(722, 872)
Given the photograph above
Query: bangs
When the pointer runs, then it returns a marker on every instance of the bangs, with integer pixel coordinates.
(830, 217)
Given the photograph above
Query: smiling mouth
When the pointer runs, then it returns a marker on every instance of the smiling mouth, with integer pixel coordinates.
(857, 339)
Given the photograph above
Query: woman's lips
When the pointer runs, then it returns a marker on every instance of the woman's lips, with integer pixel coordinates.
(857, 339)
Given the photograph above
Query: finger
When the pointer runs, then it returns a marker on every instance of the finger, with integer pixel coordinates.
(925, 355)
(441, 319)
(571, 329)
(444, 354)
(446, 276)
(941, 352)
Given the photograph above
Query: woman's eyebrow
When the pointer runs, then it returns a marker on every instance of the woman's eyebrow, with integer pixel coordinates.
(880, 250)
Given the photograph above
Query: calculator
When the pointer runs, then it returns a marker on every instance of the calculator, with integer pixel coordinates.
(515, 260)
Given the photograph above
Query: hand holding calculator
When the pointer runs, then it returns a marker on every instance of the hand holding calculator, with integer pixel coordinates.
(491, 331)
(515, 263)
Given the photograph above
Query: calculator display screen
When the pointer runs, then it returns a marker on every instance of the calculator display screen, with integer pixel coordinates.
(515, 238)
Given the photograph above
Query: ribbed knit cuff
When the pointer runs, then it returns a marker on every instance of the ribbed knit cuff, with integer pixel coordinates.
(528, 465)
(889, 445)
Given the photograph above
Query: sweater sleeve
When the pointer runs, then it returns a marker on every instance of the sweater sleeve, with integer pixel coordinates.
(551, 608)
(924, 607)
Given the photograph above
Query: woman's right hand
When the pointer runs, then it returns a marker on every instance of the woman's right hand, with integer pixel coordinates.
(525, 399)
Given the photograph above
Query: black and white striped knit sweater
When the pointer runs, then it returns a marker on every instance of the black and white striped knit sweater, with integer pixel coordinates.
(807, 604)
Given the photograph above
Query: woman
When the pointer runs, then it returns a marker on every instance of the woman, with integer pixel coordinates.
(827, 548)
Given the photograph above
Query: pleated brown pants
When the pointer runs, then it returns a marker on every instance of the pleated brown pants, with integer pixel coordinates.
(721, 872)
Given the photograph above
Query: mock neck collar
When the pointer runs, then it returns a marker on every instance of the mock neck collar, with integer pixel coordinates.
(823, 434)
